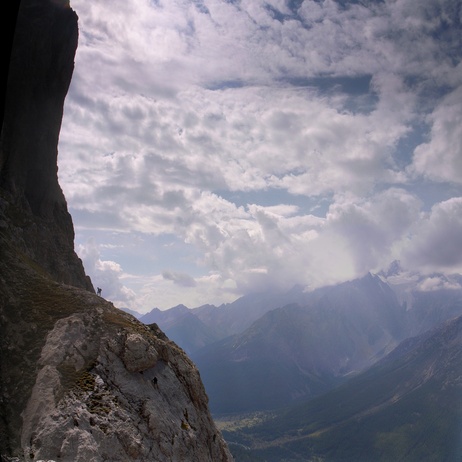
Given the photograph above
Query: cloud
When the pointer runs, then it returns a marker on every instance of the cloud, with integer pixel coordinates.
(440, 159)
(181, 279)
(285, 142)
(437, 242)
(437, 283)
(105, 274)
(375, 226)
(233, 142)
(156, 291)
(278, 246)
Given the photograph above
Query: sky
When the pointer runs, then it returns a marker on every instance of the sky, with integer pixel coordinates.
(215, 148)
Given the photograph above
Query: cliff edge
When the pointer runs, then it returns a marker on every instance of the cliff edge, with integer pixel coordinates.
(80, 380)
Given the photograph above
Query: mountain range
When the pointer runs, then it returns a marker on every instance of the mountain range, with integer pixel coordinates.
(211, 323)
(310, 343)
(367, 370)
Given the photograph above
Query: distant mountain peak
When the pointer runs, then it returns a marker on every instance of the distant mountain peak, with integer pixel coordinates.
(180, 307)
(393, 269)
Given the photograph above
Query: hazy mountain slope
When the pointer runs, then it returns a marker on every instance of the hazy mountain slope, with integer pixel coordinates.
(182, 326)
(259, 375)
(133, 313)
(407, 407)
(195, 328)
(165, 318)
(233, 318)
(294, 352)
(423, 309)
(429, 299)
(430, 308)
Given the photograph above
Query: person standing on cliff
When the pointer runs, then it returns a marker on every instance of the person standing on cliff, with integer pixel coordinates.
(98, 291)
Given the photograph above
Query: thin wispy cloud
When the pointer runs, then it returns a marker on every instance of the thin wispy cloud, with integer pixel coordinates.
(260, 144)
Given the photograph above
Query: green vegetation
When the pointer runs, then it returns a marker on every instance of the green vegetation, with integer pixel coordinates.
(81, 380)
(98, 404)
(231, 423)
(184, 425)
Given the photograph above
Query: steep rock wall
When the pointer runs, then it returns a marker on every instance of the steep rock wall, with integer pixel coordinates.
(40, 71)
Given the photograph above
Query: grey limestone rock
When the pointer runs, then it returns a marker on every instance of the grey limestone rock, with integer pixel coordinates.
(109, 388)
(138, 354)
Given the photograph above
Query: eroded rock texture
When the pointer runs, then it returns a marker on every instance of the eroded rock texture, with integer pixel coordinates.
(111, 389)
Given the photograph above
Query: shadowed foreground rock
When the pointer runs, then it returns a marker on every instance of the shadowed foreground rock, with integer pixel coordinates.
(79, 379)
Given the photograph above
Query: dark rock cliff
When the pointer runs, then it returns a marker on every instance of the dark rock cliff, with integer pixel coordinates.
(40, 71)
(80, 380)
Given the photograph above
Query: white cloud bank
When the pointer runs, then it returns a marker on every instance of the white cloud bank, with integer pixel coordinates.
(271, 143)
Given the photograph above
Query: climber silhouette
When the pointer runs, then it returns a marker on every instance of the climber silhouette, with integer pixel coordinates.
(98, 291)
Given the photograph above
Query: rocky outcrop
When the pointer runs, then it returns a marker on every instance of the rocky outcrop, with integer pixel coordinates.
(84, 381)
(116, 392)
(80, 380)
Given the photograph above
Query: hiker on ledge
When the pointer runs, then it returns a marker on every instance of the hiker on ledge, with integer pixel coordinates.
(99, 291)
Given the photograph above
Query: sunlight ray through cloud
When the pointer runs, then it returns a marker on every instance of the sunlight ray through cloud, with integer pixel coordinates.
(279, 142)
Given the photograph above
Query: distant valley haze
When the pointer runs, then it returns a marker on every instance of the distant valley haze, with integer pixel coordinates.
(214, 149)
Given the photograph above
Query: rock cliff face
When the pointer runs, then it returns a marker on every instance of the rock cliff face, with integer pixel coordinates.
(40, 70)
(79, 379)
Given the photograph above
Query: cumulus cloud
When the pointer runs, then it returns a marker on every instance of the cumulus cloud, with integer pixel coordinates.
(284, 141)
(437, 243)
(374, 227)
(437, 283)
(440, 158)
(182, 279)
(105, 274)
(273, 246)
